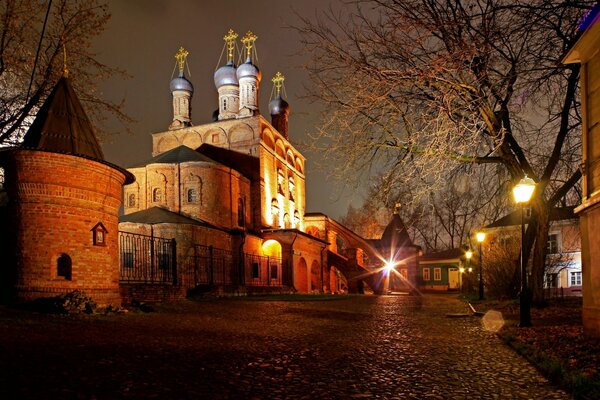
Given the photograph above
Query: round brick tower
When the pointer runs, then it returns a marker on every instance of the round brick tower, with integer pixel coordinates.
(63, 203)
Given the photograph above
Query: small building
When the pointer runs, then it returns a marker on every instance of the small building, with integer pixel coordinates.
(62, 205)
(563, 275)
(444, 270)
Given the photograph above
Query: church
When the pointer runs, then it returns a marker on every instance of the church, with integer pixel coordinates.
(216, 207)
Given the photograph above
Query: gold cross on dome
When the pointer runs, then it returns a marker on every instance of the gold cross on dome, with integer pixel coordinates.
(248, 42)
(278, 82)
(181, 56)
(230, 42)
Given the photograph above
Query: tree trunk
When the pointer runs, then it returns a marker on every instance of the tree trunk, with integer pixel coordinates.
(538, 265)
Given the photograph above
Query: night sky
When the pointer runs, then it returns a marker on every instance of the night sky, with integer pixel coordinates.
(142, 38)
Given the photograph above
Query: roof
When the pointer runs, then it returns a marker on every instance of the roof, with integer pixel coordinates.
(62, 126)
(443, 255)
(158, 215)
(176, 156)
(514, 218)
(245, 164)
(585, 41)
(395, 234)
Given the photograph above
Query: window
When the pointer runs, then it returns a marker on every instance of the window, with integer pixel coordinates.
(552, 280)
(274, 272)
(1, 178)
(99, 234)
(131, 200)
(575, 278)
(192, 196)
(156, 195)
(552, 246)
(225, 104)
(291, 186)
(64, 267)
(404, 274)
(255, 270)
(426, 274)
(241, 213)
(437, 274)
(280, 180)
(215, 138)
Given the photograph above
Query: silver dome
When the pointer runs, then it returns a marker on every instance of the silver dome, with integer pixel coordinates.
(278, 106)
(226, 75)
(248, 70)
(181, 83)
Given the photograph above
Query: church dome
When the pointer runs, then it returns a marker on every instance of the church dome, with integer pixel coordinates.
(181, 83)
(248, 70)
(278, 106)
(226, 75)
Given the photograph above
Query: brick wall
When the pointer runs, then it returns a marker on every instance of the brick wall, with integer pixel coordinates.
(55, 201)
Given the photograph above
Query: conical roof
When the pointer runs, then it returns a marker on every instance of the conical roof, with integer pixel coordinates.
(395, 234)
(62, 126)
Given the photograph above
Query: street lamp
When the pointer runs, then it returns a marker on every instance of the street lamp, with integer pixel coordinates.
(480, 238)
(522, 193)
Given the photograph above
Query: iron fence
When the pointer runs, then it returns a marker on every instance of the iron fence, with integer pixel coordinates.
(147, 259)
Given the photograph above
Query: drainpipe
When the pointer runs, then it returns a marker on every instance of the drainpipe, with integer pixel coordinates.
(178, 188)
(322, 276)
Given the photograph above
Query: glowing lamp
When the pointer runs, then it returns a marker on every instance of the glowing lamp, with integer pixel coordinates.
(470, 269)
(523, 190)
(480, 237)
(462, 270)
(468, 254)
(389, 266)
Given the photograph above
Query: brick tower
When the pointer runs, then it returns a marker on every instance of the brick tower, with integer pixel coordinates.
(63, 202)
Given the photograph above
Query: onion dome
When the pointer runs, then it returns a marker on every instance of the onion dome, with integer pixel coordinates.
(181, 83)
(226, 75)
(278, 106)
(248, 70)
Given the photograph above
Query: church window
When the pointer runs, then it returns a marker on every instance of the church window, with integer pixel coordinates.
(255, 270)
(275, 212)
(280, 180)
(286, 221)
(99, 234)
(291, 187)
(131, 200)
(64, 267)
(215, 138)
(296, 217)
(192, 196)
(157, 195)
(224, 104)
(274, 271)
(241, 213)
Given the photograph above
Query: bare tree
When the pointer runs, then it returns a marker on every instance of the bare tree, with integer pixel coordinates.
(421, 88)
(69, 26)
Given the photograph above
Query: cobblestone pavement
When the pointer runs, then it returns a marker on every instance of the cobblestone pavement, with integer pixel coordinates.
(385, 347)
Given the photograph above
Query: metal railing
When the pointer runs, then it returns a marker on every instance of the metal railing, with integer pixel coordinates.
(147, 259)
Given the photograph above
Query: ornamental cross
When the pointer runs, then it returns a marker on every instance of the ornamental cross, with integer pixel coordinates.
(278, 82)
(230, 43)
(181, 56)
(248, 42)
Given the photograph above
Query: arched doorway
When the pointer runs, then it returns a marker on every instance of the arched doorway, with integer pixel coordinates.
(301, 276)
(315, 277)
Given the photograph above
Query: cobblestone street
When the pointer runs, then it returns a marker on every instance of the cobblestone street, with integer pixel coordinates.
(356, 347)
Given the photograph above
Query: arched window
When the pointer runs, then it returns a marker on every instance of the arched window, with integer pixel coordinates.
(64, 267)
(192, 195)
(291, 187)
(131, 200)
(241, 213)
(280, 181)
(156, 195)
(275, 212)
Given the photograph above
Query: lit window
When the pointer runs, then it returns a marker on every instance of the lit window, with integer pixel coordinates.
(426, 274)
(552, 245)
(156, 195)
(280, 180)
(64, 267)
(215, 138)
(291, 187)
(575, 278)
(552, 280)
(437, 274)
(192, 196)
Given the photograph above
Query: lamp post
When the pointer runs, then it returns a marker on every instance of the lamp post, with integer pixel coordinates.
(522, 193)
(468, 255)
(480, 238)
